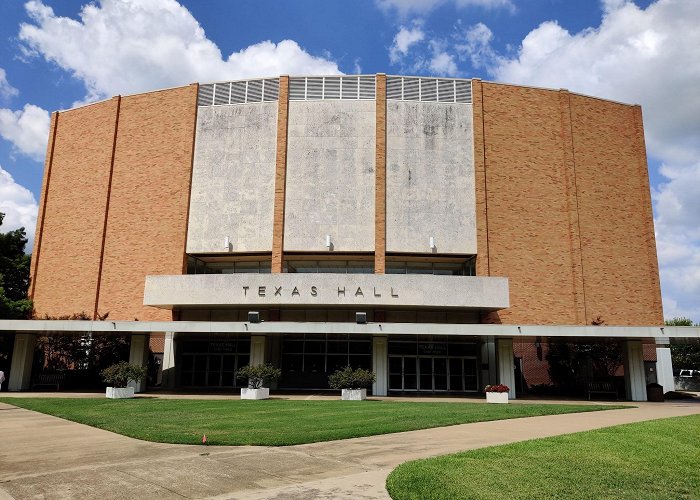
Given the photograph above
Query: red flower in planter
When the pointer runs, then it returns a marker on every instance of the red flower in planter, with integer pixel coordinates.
(497, 388)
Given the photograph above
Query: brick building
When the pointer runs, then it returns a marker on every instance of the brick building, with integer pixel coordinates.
(459, 216)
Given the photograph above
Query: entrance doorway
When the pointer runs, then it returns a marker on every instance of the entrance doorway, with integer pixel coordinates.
(431, 365)
(432, 374)
(213, 363)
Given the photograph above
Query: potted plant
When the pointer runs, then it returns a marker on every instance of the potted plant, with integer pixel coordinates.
(259, 377)
(119, 375)
(497, 393)
(354, 383)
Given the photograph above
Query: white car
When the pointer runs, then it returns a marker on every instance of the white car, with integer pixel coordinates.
(689, 373)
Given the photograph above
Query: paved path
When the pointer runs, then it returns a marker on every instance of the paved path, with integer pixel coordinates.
(47, 457)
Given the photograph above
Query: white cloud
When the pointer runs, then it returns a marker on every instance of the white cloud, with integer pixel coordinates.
(407, 7)
(443, 63)
(27, 129)
(6, 90)
(403, 40)
(129, 46)
(474, 43)
(19, 206)
(652, 57)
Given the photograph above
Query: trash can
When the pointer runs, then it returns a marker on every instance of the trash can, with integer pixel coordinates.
(655, 393)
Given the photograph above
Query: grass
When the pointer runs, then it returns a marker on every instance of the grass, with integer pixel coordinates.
(274, 422)
(655, 459)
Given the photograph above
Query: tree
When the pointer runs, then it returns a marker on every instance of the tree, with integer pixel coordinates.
(14, 275)
(684, 356)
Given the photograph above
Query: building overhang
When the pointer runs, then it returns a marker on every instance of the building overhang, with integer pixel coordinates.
(659, 335)
(327, 290)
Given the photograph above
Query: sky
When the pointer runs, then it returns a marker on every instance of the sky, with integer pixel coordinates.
(56, 55)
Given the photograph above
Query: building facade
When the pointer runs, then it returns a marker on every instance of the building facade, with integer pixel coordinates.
(438, 208)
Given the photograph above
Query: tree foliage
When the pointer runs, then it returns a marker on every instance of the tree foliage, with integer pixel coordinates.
(347, 378)
(14, 275)
(119, 374)
(684, 356)
(572, 365)
(259, 375)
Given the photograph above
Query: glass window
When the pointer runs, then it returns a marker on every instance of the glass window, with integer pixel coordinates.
(393, 267)
(448, 268)
(332, 266)
(247, 267)
(360, 267)
(302, 266)
(419, 268)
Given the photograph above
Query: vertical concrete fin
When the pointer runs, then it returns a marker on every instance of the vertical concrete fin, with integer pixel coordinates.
(48, 162)
(106, 211)
(380, 177)
(280, 175)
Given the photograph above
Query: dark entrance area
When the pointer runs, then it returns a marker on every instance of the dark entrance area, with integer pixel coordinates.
(307, 360)
(430, 365)
(213, 363)
(7, 343)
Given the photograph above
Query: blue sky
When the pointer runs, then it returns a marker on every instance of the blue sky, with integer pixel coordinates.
(56, 55)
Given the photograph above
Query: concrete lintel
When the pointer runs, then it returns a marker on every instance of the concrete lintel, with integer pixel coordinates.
(675, 334)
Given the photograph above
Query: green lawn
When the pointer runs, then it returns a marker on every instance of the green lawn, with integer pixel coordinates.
(649, 460)
(273, 422)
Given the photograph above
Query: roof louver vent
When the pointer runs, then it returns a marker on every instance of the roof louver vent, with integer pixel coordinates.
(408, 88)
(238, 92)
(314, 88)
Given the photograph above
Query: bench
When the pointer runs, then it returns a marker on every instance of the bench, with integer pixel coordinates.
(50, 379)
(601, 388)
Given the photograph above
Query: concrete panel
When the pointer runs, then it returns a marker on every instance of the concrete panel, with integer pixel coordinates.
(233, 178)
(430, 178)
(405, 290)
(330, 176)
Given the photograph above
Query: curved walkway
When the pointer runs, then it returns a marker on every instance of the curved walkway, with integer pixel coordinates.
(47, 457)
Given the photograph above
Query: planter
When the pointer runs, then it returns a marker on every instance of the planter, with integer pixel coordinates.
(354, 394)
(120, 392)
(497, 397)
(262, 393)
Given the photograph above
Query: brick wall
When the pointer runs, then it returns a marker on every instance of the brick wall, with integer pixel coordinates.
(566, 207)
(114, 207)
(68, 243)
(148, 208)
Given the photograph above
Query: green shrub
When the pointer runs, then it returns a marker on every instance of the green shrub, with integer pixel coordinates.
(119, 374)
(259, 375)
(347, 378)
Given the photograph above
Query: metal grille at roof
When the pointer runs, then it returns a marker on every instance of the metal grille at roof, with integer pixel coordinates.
(411, 88)
(238, 92)
(310, 88)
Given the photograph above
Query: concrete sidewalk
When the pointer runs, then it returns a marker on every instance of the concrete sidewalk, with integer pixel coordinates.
(47, 457)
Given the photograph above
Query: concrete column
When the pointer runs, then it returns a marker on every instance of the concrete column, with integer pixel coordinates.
(22, 358)
(168, 365)
(635, 379)
(664, 366)
(138, 355)
(488, 357)
(380, 365)
(506, 368)
(257, 350)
